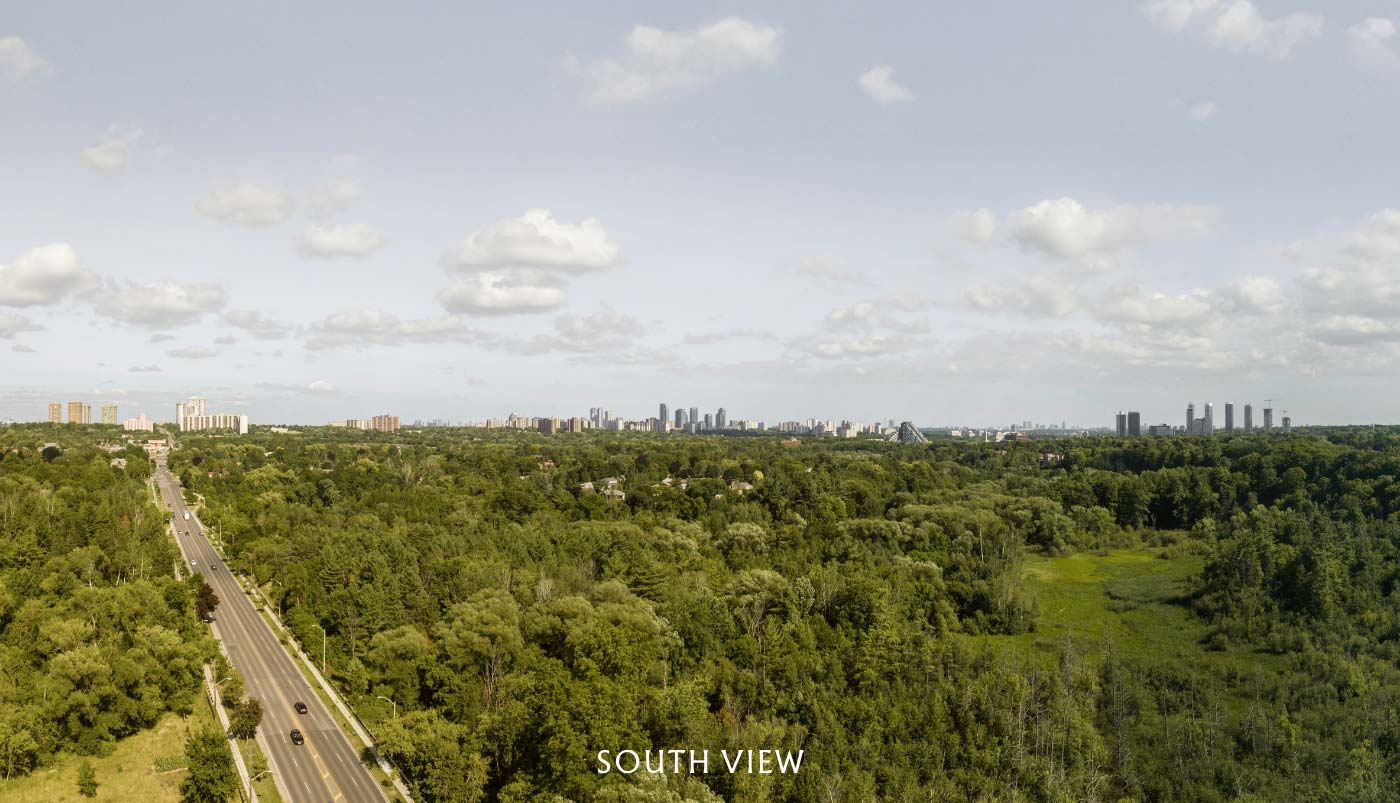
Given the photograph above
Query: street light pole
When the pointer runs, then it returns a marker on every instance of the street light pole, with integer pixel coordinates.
(391, 702)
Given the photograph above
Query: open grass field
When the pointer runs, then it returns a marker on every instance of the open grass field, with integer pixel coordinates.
(138, 768)
(1128, 596)
(1131, 597)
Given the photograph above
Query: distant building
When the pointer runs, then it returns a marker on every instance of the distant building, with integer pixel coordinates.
(138, 424)
(1134, 424)
(694, 417)
(1190, 418)
(709, 421)
(79, 413)
(202, 423)
(665, 413)
(1157, 430)
(1122, 422)
(1208, 420)
(1248, 417)
(1268, 419)
(907, 433)
(109, 414)
(190, 416)
(549, 426)
(55, 412)
(384, 423)
(1229, 417)
(680, 419)
(721, 420)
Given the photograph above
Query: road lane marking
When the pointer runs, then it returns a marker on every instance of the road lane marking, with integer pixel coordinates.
(261, 642)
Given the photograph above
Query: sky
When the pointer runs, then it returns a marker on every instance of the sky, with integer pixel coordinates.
(948, 213)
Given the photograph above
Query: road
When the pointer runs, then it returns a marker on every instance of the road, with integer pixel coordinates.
(327, 767)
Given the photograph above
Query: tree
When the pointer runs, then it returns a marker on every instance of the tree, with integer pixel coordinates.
(210, 778)
(205, 602)
(87, 780)
(246, 716)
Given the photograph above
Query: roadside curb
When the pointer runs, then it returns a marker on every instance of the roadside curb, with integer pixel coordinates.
(295, 647)
(212, 689)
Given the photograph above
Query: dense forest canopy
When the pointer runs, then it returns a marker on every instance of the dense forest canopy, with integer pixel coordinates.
(526, 601)
(97, 637)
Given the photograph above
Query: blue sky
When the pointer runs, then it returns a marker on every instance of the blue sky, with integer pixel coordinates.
(956, 215)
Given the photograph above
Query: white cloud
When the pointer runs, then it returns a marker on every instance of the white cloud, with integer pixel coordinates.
(978, 226)
(1362, 279)
(1238, 24)
(144, 369)
(320, 386)
(1065, 229)
(1256, 294)
(159, 304)
(852, 314)
(44, 275)
(256, 324)
(1175, 15)
(1378, 238)
(160, 337)
(601, 325)
(334, 197)
(340, 240)
(192, 353)
(11, 325)
(1373, 41)
(878, 82)
(111, 153)
(1201, 111)
(1037, 297)
(828, 268)
(247, 203)
(1354, 330)
(366, 327)
(659, 61)
(500, 294)
(20, 348)
(225, 340)
(865, 346)
(1130, 306)
(19, 60)
(1242, 27)
(536, 240)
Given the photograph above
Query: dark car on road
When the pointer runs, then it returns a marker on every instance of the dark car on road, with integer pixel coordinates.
(299, 706)
(297, 738)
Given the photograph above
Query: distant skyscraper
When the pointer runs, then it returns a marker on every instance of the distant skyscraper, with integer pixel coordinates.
(695, 415)
(109, 414)
(1229, 417)
(79, 413)
(1287, 424)
(1134, 424)
(1122, 424)
(1268, 419)
(1248, 417)
(55, 412)
(680, 418)
(720, 419)
(709, 421)
(1208, 421)
(1190, 417)
(665, 414)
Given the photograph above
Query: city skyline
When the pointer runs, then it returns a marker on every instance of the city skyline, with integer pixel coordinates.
(779, 209)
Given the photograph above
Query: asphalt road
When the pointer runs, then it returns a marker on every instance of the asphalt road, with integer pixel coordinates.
(327, 767)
